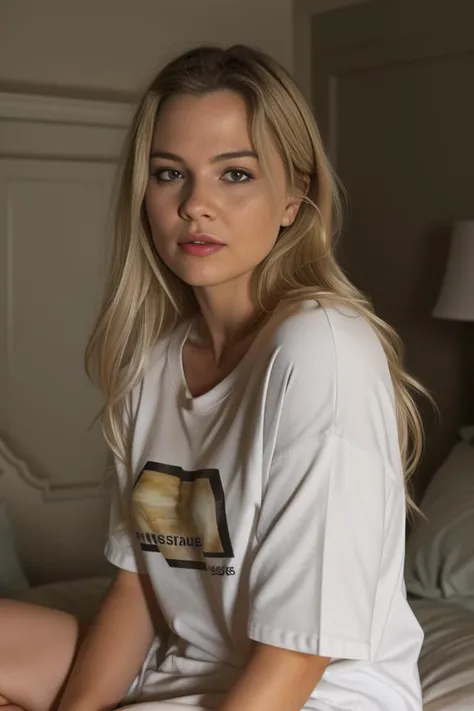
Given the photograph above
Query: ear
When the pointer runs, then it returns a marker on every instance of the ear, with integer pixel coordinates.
(294, 203)
(291, 210)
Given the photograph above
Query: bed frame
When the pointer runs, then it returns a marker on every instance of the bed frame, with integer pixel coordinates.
(59, 530)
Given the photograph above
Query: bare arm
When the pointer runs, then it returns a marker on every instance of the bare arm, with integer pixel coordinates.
(115, 646)
(276, 679)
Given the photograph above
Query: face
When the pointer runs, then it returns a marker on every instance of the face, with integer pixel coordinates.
(214, 214)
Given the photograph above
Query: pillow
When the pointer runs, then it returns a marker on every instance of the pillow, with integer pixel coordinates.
(467, 433)
(440, 551)
(12, 578)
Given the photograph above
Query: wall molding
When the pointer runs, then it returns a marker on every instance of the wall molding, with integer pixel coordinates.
(304, 10)
(404, 51)
(10, 464)
(53, 109)
(315, 7)
(59, 530)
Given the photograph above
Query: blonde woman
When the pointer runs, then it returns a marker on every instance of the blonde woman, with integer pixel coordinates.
(261, 421)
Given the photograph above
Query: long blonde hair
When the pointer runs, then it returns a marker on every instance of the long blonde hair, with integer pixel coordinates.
(144, 299)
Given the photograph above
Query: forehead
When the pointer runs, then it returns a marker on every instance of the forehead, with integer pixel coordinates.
(216, 120)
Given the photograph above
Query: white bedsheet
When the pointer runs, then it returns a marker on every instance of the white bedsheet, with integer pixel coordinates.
(447, 657)
(80, 598)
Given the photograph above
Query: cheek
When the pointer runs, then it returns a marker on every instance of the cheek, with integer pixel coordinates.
(159, 207)
(256, 201)
(150, 208)
(259, 217)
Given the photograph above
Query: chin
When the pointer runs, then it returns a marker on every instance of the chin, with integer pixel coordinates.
(204, 282)
(200, 278)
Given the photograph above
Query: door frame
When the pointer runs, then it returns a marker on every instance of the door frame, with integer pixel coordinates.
(303, 12)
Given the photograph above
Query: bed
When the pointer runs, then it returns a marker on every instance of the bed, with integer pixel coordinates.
(439, 564)
(439, 575)
(52, 538)
(447, 658)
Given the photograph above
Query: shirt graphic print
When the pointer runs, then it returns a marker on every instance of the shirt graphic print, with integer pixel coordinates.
(181, 514)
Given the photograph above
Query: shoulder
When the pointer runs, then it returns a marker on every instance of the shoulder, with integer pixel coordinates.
(336, 373)
(313, 336)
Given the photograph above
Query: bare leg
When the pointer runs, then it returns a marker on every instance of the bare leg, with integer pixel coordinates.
(37, 649)
(5, 705)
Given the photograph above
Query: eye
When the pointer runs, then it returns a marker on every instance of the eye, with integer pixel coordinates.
(166, 175)
(238, 175)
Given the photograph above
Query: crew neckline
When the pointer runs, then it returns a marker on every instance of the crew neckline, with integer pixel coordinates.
(222, 389)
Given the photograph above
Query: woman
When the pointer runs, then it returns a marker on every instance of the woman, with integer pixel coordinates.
(261, 421)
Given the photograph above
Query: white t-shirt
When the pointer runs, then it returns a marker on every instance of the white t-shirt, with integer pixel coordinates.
(272, 508)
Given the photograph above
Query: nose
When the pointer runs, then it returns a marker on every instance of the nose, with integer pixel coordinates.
(197, 201)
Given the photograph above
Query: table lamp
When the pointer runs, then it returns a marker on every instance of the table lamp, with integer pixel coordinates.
(456, 298)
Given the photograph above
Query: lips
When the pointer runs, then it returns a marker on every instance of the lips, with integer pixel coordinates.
(200, 245)
(200, 249)
(202, 239)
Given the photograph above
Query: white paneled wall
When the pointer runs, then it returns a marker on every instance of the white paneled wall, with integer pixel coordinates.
(54, 218)
(57, 167)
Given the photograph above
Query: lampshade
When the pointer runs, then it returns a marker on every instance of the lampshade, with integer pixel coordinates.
(456, 298)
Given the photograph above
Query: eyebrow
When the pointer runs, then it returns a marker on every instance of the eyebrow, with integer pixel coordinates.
(216, 159)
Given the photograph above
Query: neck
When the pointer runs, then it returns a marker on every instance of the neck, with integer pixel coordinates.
(226, 319)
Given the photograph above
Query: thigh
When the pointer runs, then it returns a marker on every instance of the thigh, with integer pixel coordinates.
(37, 649)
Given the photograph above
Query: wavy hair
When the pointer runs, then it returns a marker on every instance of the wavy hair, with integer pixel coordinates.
(143, 298)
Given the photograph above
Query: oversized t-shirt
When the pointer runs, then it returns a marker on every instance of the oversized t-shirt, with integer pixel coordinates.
(272, 508)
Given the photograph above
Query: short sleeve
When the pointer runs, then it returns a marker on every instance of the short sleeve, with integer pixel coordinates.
(119, 548)
(319, 542)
